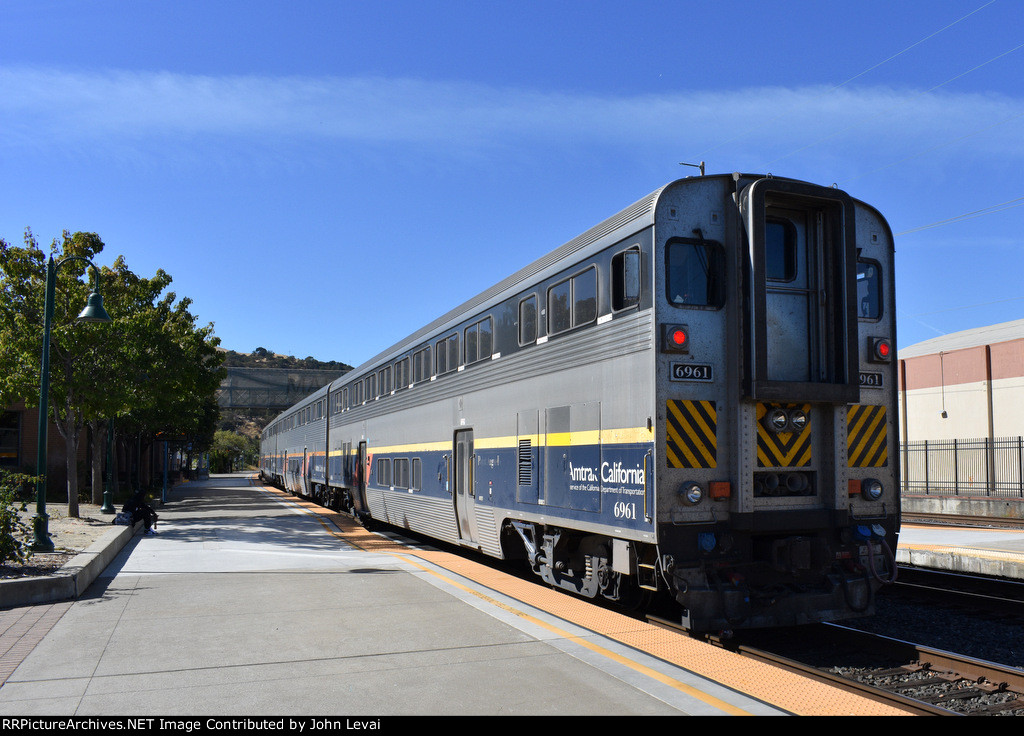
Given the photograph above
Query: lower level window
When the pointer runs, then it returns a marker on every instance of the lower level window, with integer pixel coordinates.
(384, 472)
(402, 473)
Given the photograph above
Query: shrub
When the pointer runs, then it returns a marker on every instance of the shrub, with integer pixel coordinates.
(15, 534)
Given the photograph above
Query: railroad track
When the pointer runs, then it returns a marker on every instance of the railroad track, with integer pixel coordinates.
(914, 678)
(952, 682)
(996, 595)
(961, 520)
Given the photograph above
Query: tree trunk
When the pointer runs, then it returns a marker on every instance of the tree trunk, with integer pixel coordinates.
(71, 432)
(69, 429)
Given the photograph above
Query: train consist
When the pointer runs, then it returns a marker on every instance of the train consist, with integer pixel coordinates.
(695, 399)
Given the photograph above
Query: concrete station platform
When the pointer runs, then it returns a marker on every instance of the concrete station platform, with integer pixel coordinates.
(250, 602)
(992, 551)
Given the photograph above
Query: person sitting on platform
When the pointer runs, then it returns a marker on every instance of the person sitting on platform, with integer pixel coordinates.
(141, 511)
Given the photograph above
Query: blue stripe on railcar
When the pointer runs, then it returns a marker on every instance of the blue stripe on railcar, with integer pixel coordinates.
(598, 484)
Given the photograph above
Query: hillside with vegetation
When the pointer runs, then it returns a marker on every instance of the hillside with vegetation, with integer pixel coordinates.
(263, 358)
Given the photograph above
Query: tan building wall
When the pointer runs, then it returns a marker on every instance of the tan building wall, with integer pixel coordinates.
(963, 392)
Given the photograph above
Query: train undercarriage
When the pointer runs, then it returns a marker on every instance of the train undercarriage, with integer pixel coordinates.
(720, 579)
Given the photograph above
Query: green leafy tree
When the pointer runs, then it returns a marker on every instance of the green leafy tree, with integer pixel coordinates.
(73, 375)
(168, 368)
(151, 369)
(229, 447)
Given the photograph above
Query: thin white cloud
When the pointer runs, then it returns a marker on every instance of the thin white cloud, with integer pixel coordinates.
(58, 108)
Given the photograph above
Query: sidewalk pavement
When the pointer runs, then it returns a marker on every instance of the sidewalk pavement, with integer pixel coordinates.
(71, 580)
(246, 603)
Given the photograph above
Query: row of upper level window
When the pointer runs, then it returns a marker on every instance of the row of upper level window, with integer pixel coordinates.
(305, 415)
(571, 303)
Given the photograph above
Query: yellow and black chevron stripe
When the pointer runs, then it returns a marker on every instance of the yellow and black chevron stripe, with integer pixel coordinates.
(783, 449)
(867, 436)
(690, 435)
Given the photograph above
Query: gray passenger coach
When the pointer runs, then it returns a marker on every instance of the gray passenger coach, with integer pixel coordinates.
(693, 401)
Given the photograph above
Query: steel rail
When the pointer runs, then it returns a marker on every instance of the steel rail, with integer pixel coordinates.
(1012, 678)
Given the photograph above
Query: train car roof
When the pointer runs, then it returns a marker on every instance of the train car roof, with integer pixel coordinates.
(629, 220)
(633, 218)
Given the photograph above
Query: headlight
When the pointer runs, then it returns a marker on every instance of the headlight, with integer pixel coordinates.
(778, 420)
(871, 489)
(797, 420)
(692, 492)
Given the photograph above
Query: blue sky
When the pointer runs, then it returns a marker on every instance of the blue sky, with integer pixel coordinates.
(322, 177)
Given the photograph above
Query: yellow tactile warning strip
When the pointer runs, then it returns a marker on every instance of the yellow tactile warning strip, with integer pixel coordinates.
(782, 689)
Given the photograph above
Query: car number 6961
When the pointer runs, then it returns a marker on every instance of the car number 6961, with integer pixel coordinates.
(691, 372)
(625, 510)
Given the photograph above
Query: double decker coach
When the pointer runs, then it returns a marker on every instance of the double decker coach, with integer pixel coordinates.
(695, 399)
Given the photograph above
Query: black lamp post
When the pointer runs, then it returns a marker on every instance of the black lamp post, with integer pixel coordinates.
(108, 505)
(93, 312)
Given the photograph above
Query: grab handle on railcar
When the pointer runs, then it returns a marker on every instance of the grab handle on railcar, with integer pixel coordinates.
(647, 486)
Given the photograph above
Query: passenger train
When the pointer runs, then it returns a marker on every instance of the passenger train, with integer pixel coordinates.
(695, 399)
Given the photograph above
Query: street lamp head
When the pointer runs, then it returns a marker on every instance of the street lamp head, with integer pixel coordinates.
(94, 311)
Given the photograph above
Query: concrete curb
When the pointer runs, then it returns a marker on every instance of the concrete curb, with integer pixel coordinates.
(964, 560)
(980, 508)
(71, 580)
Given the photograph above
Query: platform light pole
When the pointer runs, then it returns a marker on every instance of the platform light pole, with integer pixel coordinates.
(93, 312)
(108, 496)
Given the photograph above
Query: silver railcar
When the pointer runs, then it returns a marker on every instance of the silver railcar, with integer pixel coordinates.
(693, 399)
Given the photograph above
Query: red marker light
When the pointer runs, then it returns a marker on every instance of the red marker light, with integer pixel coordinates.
(675, 339)
(881, 350)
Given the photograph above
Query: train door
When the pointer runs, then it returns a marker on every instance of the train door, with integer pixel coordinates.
(802, 361)
(306, 470)
(793, 298)
(361, 471)
(802, 339)
(465, 495)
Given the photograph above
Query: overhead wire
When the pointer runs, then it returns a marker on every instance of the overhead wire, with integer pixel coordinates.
(1010, 204)
(1007, 205)
(937, 146)
(908, 48)
(905, 102)
(860, 74)
(933, 328)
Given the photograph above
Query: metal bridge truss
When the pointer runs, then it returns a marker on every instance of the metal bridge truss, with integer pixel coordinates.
(269, 388)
